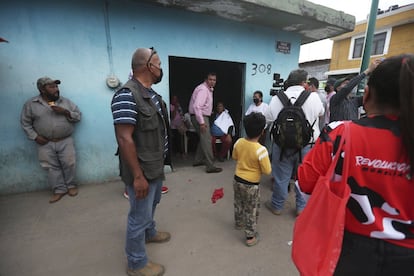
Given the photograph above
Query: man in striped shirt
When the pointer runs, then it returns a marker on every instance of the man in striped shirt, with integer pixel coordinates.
(141, 129)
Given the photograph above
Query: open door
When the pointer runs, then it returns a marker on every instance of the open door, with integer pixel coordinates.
(186, 73)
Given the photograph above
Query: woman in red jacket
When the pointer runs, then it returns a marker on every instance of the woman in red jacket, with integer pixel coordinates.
(379, 224)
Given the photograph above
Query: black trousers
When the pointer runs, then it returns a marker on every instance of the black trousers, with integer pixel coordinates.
(364, 256)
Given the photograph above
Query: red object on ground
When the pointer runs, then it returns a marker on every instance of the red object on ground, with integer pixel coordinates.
(217, 194)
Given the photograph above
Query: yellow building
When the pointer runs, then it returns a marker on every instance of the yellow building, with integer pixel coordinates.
(394, 34)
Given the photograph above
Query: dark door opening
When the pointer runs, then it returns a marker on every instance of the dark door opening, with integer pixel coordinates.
(186, 73)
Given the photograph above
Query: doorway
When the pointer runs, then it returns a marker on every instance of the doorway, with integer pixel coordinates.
(186, 73)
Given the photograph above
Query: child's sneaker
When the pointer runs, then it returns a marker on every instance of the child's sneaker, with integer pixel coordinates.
(252, 241)
(164, 189)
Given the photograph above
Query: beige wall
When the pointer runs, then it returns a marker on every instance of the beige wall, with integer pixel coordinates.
(402, 40)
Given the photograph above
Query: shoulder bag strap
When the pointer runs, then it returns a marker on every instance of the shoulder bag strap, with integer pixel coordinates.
(302, 98)
(283, 98)
(344, 146)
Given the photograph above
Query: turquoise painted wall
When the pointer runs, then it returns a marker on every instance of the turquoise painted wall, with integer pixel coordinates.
(67, 40)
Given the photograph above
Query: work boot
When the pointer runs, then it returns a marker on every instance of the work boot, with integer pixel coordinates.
(150, 269)
(73, 191)
(272, 209)
(160, 237)
(56, 197)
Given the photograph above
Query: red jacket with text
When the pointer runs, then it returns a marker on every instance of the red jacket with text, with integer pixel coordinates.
(382, 191)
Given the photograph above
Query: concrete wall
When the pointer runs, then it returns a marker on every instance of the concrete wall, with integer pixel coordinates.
(316, 69)
(67, 40)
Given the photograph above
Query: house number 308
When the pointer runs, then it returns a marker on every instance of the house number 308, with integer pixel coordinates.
(261, 68)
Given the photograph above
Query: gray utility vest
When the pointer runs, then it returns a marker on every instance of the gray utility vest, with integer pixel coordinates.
(149, 134)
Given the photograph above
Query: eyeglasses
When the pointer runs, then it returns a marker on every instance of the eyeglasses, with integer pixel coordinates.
(153, 52)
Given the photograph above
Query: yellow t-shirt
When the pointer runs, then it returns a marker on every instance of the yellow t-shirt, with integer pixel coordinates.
(252, 160)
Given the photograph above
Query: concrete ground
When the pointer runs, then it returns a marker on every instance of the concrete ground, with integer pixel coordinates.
(84, 235)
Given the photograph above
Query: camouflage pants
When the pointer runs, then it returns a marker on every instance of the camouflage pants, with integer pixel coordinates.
(246, 207)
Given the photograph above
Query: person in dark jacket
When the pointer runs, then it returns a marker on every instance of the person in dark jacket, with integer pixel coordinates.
(342, 105)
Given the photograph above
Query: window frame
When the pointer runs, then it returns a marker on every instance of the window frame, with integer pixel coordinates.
(386, 43)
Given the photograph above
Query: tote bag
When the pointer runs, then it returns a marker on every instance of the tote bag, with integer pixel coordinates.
(319, 229)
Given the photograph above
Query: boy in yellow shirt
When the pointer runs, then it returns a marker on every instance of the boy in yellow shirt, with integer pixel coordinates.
(252, 160)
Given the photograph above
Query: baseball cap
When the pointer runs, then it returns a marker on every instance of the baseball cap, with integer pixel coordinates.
(340, 81)
(46, 80)
(331, 81)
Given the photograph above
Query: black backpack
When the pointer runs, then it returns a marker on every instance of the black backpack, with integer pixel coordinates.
(291, 129)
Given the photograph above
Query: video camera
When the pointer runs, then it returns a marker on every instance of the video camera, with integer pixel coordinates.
(277, 84)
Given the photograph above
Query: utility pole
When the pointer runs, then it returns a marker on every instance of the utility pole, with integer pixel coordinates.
(366, 55)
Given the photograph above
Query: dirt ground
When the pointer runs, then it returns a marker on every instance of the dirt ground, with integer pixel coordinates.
(85, 235)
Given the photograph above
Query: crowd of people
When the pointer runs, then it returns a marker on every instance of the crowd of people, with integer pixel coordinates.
(379, 228)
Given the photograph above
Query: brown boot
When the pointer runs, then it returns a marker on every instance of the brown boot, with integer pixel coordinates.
(56, 197)
(151, 269)
(160, 237)
(73, 191)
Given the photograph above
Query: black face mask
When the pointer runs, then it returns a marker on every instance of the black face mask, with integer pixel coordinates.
(159, 78)
(256, 100)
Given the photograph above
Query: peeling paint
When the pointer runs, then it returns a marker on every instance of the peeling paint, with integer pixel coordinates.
(225, 9)
(302, 17)
(294, 27)
(319, 34)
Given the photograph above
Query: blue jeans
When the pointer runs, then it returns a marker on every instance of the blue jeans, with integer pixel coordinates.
(141, 224)
(282, 172)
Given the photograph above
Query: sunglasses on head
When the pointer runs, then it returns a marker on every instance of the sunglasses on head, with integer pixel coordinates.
(153, 52)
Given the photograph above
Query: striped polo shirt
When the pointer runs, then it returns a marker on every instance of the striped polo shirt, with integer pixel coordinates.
(123, 108)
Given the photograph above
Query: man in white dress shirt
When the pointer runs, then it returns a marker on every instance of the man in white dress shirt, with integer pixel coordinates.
(284, 165)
